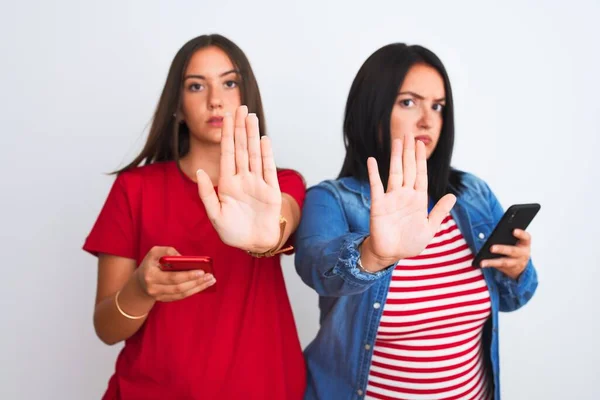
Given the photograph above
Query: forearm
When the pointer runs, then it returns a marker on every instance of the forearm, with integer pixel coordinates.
(291, 212)
(111, 326)
(330, 266)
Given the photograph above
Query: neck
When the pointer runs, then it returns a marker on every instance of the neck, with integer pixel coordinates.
(205, 156)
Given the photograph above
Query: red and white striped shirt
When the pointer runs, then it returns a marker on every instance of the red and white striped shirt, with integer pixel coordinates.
(429, 345)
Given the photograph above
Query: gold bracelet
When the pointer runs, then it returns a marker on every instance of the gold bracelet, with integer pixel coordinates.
(274, 251)
(123, 313)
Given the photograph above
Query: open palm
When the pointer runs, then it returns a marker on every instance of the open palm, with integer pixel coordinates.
(400, 224)
(245, 211)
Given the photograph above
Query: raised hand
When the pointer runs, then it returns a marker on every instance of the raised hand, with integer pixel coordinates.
(400, 225)
(245, 211)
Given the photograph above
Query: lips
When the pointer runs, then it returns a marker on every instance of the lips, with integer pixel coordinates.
(215, 121)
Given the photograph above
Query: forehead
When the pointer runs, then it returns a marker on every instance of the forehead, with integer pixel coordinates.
(210, 61)
(425, 81)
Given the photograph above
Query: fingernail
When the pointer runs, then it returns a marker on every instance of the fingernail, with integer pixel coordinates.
(212, 282)
(208, 277)
(228, 114)
(494, 248)
(198, 171)
(483, 264)
(252, 115)
(199, 273)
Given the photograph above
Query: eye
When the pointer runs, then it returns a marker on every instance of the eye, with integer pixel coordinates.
(231, 84)
(407, 103)
(195, 87)
(438, 107)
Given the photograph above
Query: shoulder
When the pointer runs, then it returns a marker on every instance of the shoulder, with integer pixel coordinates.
(479, 199)
(340, 185)
(347, 191)
(149, 171)
(290, 179)
(134, 177)
(472, 185)
(288, 174)
(292, 183)
(142, 184)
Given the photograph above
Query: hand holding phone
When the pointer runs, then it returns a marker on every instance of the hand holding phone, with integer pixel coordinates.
(180, 263)
(179, 278)
(508, 248)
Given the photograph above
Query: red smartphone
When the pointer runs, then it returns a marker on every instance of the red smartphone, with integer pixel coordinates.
(186, 263)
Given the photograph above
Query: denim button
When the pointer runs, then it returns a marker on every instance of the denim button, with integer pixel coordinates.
(376, 305)
(359, 392)
(481, 235)
(367, 346)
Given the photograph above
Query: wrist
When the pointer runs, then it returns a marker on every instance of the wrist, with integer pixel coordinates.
(370, 261)
(132, 301)
(515, 275)
(261, 248)
(274, 249)
(139, 288)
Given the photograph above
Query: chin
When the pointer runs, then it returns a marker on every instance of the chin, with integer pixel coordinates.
(209, 137)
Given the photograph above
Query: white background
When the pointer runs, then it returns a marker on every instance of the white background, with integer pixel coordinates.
(79, 82)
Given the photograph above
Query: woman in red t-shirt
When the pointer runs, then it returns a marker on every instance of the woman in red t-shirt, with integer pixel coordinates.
(208, 187)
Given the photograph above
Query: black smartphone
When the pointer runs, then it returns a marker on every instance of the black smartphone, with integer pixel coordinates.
(518, 216)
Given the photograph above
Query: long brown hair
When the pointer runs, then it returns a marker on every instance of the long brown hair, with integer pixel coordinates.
(169, 137)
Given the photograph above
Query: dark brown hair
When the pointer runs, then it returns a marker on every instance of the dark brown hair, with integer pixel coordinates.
(169, 137)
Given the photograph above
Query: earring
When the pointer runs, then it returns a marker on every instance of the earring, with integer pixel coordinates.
(181, 121)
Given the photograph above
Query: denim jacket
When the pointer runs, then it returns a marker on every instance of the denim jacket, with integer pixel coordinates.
(335, 221)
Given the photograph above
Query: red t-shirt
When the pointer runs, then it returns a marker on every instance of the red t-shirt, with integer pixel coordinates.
(238, 342)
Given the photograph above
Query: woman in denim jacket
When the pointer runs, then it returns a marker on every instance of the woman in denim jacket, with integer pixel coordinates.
(389, 248)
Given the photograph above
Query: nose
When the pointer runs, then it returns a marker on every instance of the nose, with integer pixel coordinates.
(426, 119)
(215, 100)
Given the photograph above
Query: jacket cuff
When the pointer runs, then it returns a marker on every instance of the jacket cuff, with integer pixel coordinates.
(347, 267)
(523, 282)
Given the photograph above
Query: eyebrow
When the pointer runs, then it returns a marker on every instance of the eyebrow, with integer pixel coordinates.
(418, 96)
(220, 76)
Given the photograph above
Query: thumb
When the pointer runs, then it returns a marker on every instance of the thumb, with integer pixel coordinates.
(164, 251)
(208, 195)
(170, 251)
(157, 252)
(440, 211)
